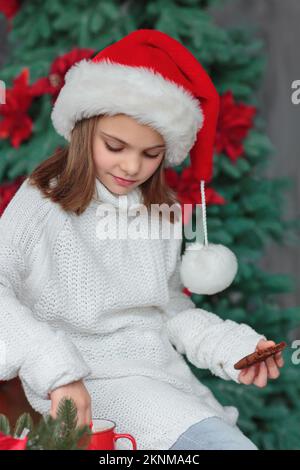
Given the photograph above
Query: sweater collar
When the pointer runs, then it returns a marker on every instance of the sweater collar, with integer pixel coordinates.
(124, 201)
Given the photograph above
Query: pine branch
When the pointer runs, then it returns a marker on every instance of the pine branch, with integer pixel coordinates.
(60, 433)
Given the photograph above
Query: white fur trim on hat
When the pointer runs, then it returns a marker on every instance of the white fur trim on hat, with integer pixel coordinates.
(93, 88)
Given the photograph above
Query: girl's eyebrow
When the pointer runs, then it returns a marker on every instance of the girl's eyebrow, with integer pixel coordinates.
(122, 141)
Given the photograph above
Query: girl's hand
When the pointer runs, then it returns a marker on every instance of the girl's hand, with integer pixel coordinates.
(259, 373)
(78, 392)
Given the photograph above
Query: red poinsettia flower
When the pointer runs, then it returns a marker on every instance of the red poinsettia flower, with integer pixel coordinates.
(188, 191)
(16, 123)
(9, 8)
(12, 443)
(8, 190)
(234, 122)
(186, 291)
(56, 78)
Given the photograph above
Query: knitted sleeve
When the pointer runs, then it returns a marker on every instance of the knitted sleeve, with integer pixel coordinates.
(208, 341)
(43, 357)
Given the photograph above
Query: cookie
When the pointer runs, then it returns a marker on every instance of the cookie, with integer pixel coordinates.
(259, 356)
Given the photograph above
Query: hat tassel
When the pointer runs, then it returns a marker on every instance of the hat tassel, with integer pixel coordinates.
(207, 268)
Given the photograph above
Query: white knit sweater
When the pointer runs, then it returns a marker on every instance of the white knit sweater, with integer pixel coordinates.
(111, 312)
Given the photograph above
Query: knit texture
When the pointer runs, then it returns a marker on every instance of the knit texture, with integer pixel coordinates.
(110, 311)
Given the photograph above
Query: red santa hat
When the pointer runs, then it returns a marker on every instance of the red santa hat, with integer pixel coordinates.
(153, 78)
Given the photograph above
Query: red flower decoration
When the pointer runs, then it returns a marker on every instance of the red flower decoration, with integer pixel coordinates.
(9, 8)
(56, 78)
(11, 443)
(8, 190)
(234, 122)
(186, 291)
(188, 191)
(16, 123)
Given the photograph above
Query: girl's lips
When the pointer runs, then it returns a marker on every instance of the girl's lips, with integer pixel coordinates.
(123, 182)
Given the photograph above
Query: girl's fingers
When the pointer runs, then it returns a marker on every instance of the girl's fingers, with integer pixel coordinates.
(53, 410)
(266, 344)
(279, 359)
(259, 373)
(87, 419)
(249, 375)
(262, 376)
(257, 370)
(82, 418)
(88, 416)
(53, 413)
(273, 372)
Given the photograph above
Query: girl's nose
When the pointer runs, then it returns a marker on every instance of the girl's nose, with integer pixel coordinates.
(131, 166)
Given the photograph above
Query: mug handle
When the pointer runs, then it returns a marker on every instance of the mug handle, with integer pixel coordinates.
(127, 436)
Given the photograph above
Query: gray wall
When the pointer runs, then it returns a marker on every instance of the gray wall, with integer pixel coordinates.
(277, 23)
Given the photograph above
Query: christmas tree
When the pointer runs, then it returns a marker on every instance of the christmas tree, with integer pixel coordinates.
(244, 208)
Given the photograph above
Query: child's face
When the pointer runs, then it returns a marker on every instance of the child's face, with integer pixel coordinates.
(135, 159)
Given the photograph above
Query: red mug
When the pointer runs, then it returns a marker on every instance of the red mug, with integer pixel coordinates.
(104, 435)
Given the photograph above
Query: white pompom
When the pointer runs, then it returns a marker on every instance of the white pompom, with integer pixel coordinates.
(207, 269)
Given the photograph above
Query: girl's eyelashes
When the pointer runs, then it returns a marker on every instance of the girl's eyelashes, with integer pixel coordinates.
(112, 149)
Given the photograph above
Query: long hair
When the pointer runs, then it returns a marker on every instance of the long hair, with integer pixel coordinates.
(74, 170)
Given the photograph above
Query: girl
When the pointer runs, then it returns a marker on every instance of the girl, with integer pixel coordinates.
(99, 317)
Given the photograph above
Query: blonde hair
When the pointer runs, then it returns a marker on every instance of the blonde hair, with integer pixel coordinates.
(74, 168)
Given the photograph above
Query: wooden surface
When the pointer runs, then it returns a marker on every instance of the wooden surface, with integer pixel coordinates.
(13, 401)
